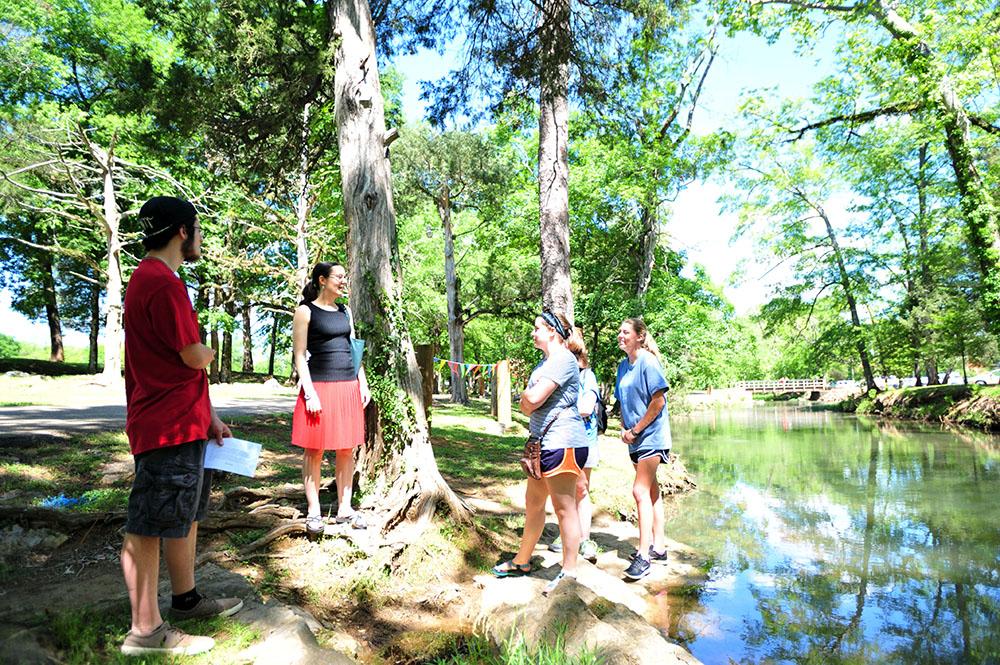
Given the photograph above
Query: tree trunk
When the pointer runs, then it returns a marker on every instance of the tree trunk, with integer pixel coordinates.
(397, 461)
(226, 366)
(213, 370)
(303, 205)
(852, 304)
(979, 210)
(647, 255)
(95, 327)
(274, 344)
(553, 157)
(202, 305)
(113, 288)
(925, 274)
(51, 309)
(247, 340)
(456, 326)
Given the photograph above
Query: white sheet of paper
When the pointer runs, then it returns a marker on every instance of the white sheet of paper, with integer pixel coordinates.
(234, 455)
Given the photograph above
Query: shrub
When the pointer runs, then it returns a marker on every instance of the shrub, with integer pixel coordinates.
(9, 347)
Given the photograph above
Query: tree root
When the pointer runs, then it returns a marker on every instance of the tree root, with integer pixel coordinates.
(265, 519)
(58, 519)
(418, 504)
(284, 529)
(251, 497)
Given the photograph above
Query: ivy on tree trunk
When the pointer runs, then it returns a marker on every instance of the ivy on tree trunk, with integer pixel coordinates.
(397, 462)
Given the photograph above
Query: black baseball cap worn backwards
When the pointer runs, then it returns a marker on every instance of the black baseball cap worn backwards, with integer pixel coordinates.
(163, 213)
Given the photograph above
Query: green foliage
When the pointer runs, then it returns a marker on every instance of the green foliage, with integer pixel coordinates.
(9, 347)
(105, 499)
(477, 651)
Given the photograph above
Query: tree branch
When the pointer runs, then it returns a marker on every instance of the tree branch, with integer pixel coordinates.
(854, 118)
(822, 6)
(82, 257)
(983, 124)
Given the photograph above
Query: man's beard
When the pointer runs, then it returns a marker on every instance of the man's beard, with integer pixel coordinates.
(189, 251)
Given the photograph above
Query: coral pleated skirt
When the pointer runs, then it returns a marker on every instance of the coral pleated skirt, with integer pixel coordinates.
(339, 425)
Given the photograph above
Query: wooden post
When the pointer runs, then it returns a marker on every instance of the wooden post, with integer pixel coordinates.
(503, 393)
(493, 394)
(425, 360)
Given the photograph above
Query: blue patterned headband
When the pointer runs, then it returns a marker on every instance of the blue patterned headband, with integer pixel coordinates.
(554, 322)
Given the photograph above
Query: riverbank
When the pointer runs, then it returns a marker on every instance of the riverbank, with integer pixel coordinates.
(970, 406)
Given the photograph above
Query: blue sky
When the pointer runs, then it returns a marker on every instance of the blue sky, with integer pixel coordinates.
(696, 225)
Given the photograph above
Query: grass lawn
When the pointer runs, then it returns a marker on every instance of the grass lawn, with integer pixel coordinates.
(89, 637)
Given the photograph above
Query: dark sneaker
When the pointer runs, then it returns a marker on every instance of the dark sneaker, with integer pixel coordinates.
(168, 641)
(638, 569)
(209, 607)
(657, 557)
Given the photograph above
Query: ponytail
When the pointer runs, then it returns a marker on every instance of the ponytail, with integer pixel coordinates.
(578, 346)
(311, 290)
(642, 330)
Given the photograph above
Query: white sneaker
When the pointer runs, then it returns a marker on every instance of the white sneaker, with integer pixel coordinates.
(166, 640)
(589, 550)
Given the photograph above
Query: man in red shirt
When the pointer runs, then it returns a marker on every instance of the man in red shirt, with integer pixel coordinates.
(169, 419)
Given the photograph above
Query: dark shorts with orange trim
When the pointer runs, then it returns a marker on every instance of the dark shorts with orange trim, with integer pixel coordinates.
(563, 460)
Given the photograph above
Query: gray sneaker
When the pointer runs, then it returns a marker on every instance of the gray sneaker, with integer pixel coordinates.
(657, 557)
(588, 550)
(556, 545)
(209, 607)
(166, 640)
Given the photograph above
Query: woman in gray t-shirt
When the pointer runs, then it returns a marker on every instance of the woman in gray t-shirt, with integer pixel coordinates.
(550, 402)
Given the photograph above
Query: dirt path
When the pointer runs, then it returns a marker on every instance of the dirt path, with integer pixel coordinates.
(60, 408)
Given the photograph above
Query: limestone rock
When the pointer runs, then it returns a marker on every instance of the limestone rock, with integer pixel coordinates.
(513, 608)
(287, 633)
(117, 472)
(16, 540)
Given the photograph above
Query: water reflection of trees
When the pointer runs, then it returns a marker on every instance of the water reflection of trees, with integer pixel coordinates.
(911, 576)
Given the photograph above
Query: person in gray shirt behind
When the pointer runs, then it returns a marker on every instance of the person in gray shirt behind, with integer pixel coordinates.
(550, 401)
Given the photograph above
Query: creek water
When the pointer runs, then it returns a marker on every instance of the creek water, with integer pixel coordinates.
(837, 539)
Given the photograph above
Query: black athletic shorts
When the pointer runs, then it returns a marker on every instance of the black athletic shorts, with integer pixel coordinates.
(664, 455)
(170, 491)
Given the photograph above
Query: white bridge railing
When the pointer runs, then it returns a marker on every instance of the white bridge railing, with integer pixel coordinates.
(783, 385)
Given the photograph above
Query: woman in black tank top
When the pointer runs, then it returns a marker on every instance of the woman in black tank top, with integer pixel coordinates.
(329, 413)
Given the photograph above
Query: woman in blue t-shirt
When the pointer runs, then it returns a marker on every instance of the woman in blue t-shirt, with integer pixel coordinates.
(640, 389)
(550, 402)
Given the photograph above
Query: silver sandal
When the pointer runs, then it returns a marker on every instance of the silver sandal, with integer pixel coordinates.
(315, 526)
